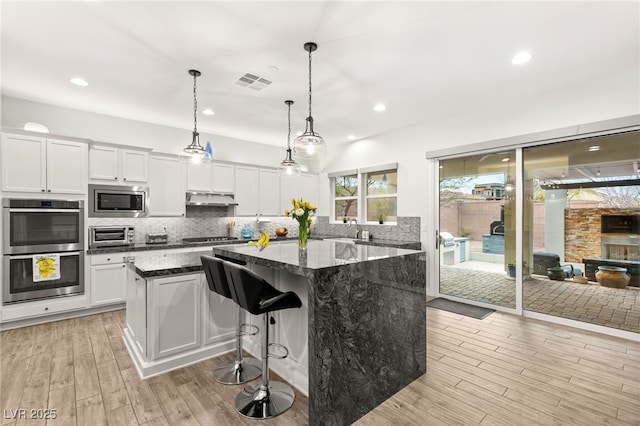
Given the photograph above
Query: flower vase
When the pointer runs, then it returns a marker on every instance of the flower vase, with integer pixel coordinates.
(303, 233)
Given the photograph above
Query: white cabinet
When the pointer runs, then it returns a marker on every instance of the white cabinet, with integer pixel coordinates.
(199, 177)
(136, 312)
(166, 186)
(118, 166)
(108, 278)
(174, 320)
(220, 316)
(224, 179)
(269, 192)
(211, 177)
(34, 164)
(304, 186)
(257, 192)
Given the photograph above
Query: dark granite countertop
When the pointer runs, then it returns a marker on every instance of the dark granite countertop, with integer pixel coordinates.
(413, 245)
(149, 265)
(320, 254)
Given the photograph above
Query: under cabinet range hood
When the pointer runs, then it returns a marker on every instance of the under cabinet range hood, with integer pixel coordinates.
(210, 199)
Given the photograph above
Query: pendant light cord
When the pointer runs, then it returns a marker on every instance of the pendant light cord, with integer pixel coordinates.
(310, 50)
(195, 106)
(289, 120)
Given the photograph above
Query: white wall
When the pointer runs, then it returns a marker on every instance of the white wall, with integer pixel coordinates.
(103, 128)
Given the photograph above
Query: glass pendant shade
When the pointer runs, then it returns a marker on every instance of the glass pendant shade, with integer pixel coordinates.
(309, 144)
(195, 148)
(289, 167)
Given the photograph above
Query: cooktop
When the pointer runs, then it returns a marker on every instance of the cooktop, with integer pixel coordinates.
(206, 239)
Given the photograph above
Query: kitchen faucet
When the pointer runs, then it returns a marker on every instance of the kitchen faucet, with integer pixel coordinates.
(356, 222)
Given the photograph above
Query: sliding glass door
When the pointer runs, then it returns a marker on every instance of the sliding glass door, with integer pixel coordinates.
(477, 228)
(579, 213)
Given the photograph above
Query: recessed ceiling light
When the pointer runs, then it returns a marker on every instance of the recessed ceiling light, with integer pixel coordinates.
(351, 137)
(504, 160)
(379, 107)
(208, 112)
(79, 81)
(521, 58)
(594, 148)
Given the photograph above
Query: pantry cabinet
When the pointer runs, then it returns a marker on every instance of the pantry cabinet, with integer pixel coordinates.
(166, 186)
(36, 164)
(118, 166)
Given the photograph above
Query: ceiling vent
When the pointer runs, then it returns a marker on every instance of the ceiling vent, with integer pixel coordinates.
(253, 82)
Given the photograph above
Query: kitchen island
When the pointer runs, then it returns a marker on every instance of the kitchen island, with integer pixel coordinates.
(360, 335)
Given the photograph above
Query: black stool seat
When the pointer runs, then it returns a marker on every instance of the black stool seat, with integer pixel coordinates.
(238, 370)
(256, 295)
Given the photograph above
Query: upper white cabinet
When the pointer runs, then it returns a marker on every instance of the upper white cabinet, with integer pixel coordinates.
(199, 177)
(118, 166)
(166, 186)
(224, 178)
(35, 164)
(211, 177)
(257, 191)
(304, 186)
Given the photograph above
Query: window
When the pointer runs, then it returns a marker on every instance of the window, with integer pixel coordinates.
(377, 201)
(382, 196)
(345, 196)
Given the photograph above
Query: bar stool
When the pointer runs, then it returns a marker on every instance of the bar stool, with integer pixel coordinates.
(266, 399)
(238, 370)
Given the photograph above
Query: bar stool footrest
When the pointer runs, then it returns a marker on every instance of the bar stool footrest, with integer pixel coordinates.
(279, 347)
(254, 330)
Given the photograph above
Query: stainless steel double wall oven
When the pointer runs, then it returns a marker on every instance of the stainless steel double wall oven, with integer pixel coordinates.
(34, 229)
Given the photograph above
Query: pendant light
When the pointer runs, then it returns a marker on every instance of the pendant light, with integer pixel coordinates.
(288, 166)
(195, 148)
(309, 144)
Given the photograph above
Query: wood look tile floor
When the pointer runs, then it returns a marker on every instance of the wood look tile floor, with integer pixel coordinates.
(503, 370)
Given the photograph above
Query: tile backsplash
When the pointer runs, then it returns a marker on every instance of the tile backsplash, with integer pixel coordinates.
(215, 221)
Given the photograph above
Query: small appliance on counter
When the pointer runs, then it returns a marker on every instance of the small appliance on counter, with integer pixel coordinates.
(109, 236)
(156, 238)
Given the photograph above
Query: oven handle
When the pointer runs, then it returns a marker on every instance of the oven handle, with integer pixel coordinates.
(28, 256)
(11, 210)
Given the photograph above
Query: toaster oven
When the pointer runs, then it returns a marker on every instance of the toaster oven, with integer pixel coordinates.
(110, 236)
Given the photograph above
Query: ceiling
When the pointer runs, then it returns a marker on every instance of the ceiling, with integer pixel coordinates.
(424, 60)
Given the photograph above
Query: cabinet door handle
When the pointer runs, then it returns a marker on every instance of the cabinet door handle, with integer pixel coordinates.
(43, 190)
(48, 190)
(124, 178)
(124, 266)
(115, 178)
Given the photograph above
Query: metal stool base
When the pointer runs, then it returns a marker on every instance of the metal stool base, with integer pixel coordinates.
(233, 373)
(255, 403)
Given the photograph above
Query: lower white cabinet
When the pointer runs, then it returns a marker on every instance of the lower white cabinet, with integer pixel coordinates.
(174, 317)
(136, 332)
(220, 316)
(108, 279)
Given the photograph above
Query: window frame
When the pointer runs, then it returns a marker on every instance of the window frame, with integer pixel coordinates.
(362, 196)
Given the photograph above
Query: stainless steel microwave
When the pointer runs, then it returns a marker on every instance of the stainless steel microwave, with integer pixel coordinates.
(118, 201)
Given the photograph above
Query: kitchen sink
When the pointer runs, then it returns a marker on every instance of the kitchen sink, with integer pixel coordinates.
(342, 240)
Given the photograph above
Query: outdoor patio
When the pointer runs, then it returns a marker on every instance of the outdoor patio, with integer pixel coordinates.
(591, 303)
